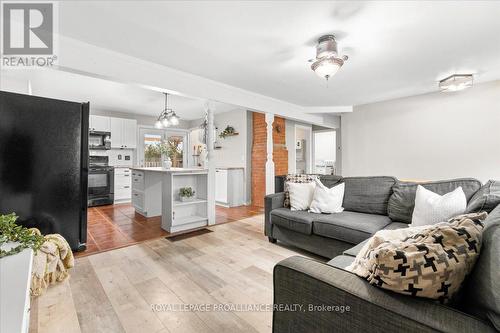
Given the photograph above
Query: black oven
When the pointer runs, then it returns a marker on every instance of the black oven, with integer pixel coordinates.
(99, 140)
(101, 182)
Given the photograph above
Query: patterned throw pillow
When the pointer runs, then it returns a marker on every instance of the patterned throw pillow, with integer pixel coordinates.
(428, 261)
(296, 178)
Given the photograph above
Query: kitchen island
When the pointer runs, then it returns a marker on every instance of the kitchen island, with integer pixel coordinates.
(155, 192)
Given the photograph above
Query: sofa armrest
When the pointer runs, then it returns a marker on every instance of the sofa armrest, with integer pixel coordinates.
(272, 201)
(360, 306)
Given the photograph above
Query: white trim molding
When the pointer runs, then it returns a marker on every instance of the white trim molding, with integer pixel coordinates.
(269, 150)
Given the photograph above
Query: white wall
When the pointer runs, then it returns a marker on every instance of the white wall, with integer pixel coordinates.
(427, 137)
(234, 148)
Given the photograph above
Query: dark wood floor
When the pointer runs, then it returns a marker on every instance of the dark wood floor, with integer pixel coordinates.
(115, 226)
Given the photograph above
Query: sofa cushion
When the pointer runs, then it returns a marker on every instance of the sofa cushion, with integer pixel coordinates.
(396, 225)
(296, 178)
(367, 194)
(429, 261)
(330, 180)
(486, 199)
(300, 221)
(482, 289)
(353, 251)
(349, 227)
(402, 200)
(341, 261)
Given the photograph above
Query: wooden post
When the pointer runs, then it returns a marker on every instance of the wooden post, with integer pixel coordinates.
(209, 109)
(269, 161)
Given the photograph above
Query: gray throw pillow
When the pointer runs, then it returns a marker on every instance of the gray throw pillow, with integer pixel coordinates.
(486, 199)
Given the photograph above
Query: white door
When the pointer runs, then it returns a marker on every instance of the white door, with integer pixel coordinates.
(100, 123)
(116, 132)
(129, 133)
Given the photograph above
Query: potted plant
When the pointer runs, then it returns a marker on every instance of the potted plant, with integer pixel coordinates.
(186, 193)
(15, 238)
(229, 131)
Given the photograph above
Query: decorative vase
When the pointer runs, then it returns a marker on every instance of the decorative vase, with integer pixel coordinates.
(185, 199)
(167, 163)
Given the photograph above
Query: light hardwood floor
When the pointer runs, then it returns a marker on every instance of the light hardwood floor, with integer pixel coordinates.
(113, 291)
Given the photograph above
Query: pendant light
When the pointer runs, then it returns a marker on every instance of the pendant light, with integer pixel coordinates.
(167, 117)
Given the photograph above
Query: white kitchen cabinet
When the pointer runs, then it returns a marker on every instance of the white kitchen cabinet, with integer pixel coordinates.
(99, 123)
(221, 185)
(230, 186)
(147, 192)
(123, 185)
(123, 133)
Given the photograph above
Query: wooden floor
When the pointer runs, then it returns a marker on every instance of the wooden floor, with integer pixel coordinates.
(115, 226)
(113, 291)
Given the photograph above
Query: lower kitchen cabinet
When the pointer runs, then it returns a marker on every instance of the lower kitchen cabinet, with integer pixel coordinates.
(123, 185)
(230, 186)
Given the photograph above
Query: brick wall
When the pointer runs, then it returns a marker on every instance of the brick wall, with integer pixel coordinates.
(259, 154)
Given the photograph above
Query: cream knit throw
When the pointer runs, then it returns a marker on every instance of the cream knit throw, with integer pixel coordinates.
(50, 263)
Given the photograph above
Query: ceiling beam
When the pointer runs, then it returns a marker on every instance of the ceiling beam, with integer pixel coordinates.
(83, 58)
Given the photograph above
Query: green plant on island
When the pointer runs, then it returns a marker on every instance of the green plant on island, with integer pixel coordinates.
(12, 232)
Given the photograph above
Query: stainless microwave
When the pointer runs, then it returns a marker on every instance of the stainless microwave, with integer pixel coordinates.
(99, 140)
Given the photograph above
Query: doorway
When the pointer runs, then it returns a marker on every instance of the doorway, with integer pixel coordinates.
(324, 152)
(303, 149)
(150, 139)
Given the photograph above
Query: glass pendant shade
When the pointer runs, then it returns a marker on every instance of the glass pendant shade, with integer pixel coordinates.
(158, 124)
(165, 122)
(327, 67)
(174, 120)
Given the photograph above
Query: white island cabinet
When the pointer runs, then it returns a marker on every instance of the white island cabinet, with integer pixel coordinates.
(155, 191)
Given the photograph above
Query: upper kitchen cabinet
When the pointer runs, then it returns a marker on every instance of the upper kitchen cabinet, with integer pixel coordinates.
(123, 133)
(99, 124)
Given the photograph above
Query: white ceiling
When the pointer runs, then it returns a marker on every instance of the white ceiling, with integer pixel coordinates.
(396, 48)
(103, 94)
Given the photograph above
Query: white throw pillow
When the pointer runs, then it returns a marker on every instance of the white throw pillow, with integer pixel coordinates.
(431, 208)
(327, 200)
(301, 195)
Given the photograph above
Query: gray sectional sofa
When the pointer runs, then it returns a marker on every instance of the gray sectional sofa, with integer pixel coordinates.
(372, 204)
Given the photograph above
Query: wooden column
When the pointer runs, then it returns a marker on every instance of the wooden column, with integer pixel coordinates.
(269, 150)
(209, 109)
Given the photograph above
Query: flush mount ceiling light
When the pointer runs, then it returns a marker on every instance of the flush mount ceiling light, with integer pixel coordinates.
(167, 117)
(456, 82)
(328, 61)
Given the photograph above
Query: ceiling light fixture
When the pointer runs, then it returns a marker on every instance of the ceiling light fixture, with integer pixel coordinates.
(328, 61)
(456, 82)
(167, 117)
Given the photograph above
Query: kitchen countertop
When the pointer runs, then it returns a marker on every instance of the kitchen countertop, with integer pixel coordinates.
(171, 170)
(229, 168)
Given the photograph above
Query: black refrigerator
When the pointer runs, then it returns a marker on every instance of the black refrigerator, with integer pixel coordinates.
(44, 164)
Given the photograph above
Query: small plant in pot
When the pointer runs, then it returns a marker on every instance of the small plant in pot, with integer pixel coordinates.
(186, 193)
